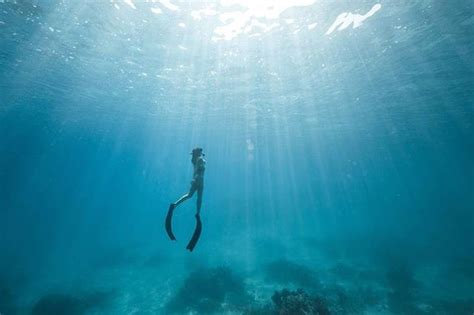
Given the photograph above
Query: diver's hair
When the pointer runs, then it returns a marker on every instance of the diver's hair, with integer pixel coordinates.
(196, 153)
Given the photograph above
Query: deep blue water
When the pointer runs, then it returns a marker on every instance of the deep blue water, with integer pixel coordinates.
(339, 147)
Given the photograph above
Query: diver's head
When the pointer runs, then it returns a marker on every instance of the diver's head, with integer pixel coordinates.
(197, 152)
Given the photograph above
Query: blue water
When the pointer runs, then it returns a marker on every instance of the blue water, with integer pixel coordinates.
(339, 147)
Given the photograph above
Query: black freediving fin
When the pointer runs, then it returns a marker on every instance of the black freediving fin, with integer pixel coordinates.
(169, 216)
(196, 234)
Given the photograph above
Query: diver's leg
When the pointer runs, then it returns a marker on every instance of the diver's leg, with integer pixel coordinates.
(185, 196)
(182, 199)
(197, 231)
(169, 216)
(199, 200)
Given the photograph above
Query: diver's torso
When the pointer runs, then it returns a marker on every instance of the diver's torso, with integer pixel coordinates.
(199, 168)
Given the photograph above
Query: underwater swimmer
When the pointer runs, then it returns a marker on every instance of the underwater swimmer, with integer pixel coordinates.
(197, 185)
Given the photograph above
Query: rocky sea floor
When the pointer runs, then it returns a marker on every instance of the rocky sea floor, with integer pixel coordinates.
(124, 281)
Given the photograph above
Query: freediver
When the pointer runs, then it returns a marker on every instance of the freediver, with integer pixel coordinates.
(197, 185)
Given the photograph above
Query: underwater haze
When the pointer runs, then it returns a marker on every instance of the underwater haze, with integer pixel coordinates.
(339, 147)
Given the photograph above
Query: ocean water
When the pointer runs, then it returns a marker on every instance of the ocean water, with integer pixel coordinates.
(339, 145)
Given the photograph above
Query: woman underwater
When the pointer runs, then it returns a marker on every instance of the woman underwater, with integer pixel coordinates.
(197, 184)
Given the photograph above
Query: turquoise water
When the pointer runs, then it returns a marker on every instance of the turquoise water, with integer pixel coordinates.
(339, 147)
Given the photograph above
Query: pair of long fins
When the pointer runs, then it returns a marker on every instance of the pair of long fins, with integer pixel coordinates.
(197, 231)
